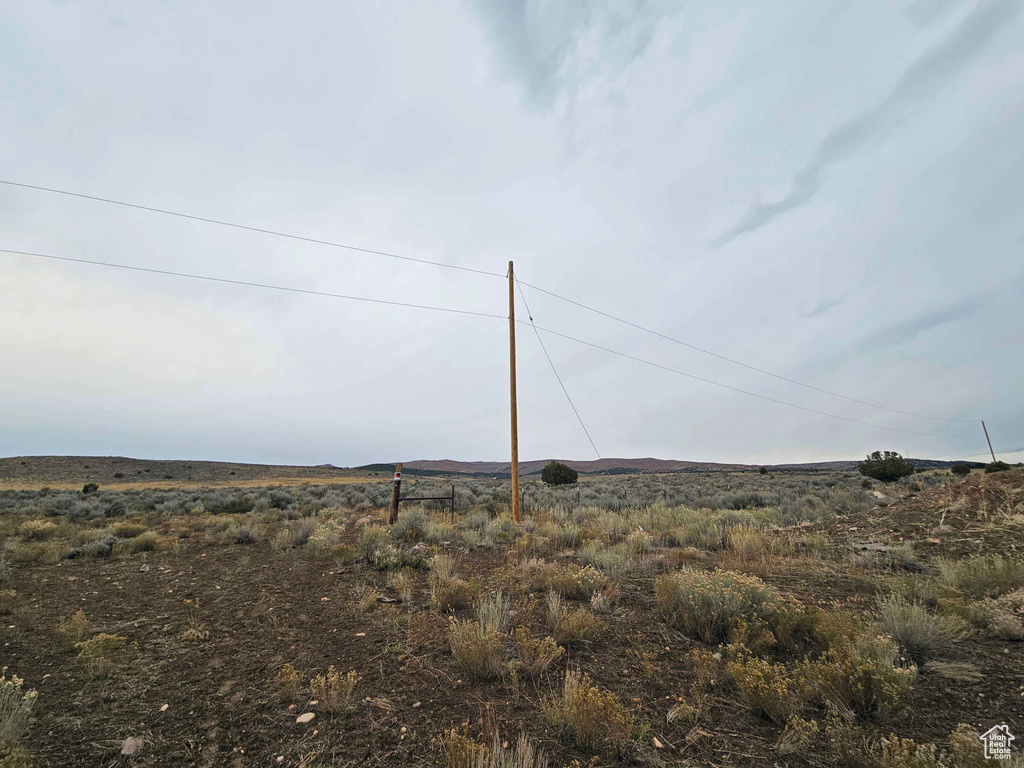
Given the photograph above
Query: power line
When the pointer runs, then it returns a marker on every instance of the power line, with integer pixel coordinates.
(250, 284)
(481, 272)
(737, 389)
(553, 370)
(740, 363)
(248, 228)
(289, 289)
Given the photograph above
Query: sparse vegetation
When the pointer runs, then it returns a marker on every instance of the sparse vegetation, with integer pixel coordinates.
(887, 466)
(492, 611)
(556, 473)
(593, 716)
(707, 605)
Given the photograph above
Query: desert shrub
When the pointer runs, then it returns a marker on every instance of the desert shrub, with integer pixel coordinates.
(494, 614)
(411, 526)
(403, 582)
(295, 534)
(235, 505)
(570, 626)
(860, 675)
(996, 466)
(146, 542)
(242, 533)
(460, 749)
(377, 550)
(573, 581)
(905, 753)
(288, 682)
(442, 567)
(344, 554)
(798, 737)
(478, 650)
(520, 754)
(611, 561)
(451, 594)
(99, 653)
(595, 717)
(966, 749)
(770, 689)
(194, 630)
(126, 530)
(747, 541)
(90, 488)
(556, 473)
(8, 600)
(535, 654)
(334, 691)
(887, 466)
(75, 629)
(46, 552)
(366, 596)
(1001, 617)
(37, 530)
(324, 538)
(103, 547)
(983, 575)
(707, 605)
(849, 746)
(919, 634)
(960, 469)
(16, 708)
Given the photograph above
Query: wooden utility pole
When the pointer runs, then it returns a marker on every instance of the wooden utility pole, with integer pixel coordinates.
(989, 442)
(396, 491)
(517, 515)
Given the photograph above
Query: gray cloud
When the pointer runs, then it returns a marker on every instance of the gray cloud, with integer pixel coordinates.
(597, 145)
(934, 69)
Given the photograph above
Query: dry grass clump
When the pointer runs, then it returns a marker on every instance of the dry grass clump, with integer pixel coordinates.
(708, 605)
(495, 613)
(477, 649)
(403, 582)
(462, 751)
(747, 541)
(1002, 617)
(99, 653)
(37, 530)
(295, 535)
(324, 538)
(535, 654)
(75, 629)
(288, 682)
(571, 625)
(798, 737)
(194, 628)
(367, 596)
(452, 594)
(860, 675)
(149, 542)
(126, 530)
(984, 575)
(334, 691)
(919, 634)
(595, 717)
(16, 708)
(773, 690)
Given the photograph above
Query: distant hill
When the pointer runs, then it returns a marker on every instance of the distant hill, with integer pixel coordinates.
(115, 471)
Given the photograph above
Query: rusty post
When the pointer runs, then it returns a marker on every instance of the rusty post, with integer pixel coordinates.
(396, 489)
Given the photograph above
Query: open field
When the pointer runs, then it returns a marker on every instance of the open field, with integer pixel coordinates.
(726, 619)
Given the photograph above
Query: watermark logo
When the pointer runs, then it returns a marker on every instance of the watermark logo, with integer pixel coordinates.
(997, 742)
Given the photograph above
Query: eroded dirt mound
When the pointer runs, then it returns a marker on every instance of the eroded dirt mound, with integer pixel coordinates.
(981, 514)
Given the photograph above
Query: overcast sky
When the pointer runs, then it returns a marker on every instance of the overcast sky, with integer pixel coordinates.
(830, 191)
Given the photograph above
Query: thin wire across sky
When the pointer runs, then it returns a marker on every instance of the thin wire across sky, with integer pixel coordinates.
(371, 251)
(268, 286)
